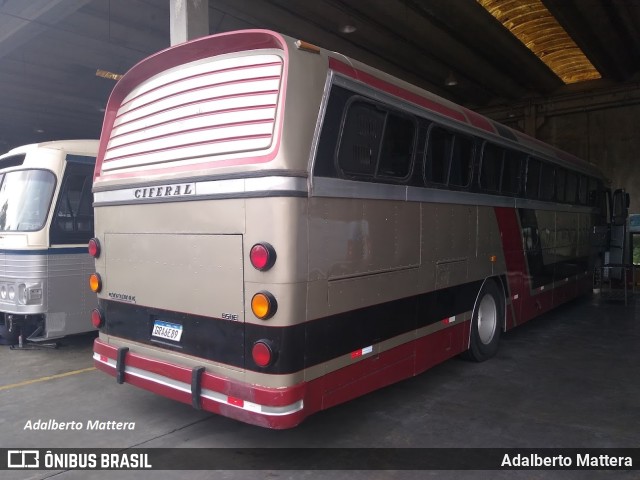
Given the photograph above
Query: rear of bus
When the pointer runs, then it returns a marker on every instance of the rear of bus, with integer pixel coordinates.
(46, 218)
(200, 245)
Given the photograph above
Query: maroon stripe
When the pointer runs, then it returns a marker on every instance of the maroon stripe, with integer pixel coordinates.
(479, 121)
(395, 90)
(515, 260)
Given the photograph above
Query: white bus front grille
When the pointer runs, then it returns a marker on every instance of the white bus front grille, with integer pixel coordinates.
(211, 108)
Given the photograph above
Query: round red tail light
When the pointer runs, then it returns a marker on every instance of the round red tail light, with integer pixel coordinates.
(262, 353)
(94, 247)
(262, 256)
(96, 318)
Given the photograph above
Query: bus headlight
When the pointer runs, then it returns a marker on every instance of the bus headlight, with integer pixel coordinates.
(12, 293)
(3, 292)
(30, 293)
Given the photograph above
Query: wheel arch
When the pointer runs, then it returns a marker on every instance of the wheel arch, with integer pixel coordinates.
(501, 282)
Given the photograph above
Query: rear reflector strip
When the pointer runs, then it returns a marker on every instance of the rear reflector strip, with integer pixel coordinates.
(205, 393)
(362, 352)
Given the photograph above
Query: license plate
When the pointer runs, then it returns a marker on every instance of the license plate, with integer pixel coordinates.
(166, 330)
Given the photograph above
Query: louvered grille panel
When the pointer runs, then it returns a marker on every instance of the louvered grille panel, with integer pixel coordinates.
(213, 107)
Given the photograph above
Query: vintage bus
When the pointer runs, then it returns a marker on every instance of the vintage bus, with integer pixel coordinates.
(280, 228)
(46, 220)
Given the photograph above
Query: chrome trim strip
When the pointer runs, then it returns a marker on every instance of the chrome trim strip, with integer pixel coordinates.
(339, 188)
(319, 123)
(174, 191)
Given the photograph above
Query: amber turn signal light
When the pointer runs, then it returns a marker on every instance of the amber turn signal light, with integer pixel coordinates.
(95, 282)
(263, 305)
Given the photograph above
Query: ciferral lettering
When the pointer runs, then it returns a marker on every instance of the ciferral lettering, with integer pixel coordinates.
(176, 190)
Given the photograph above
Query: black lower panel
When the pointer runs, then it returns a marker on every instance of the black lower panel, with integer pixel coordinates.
(299, 346)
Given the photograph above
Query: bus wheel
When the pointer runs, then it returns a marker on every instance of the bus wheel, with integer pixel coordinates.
(486, 324)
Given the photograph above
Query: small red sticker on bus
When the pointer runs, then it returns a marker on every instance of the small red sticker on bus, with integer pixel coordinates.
(235, 401)
(361, 352)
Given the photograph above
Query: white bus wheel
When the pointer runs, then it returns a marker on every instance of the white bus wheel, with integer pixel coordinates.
(486, 324)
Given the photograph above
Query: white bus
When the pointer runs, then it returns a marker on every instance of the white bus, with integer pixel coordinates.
(280, 228)
(46, 219)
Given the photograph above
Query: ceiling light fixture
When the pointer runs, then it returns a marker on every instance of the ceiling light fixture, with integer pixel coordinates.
(532, 23)
(108, 74)
(347, 28)
(451, 80)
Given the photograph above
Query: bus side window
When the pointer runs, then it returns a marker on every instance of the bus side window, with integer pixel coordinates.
(511, 172)
(439, 145)
(582, 190)
(397, 147)
(572, 187)
(361, 138)
(73, 217)
(491, 167)
(461, 161)
(594, 197)
(533, 178)
(547, 182)
(561, 176)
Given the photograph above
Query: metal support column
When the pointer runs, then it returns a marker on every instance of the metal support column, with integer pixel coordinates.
(189, 19)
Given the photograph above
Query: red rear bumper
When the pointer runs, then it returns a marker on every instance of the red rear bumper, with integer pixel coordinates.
(267, 407)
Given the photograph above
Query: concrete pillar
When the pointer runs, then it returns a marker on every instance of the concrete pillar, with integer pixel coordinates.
(189, 19)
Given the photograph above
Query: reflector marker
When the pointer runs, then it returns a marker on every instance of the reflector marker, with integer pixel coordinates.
(516, 296)
(362, 352)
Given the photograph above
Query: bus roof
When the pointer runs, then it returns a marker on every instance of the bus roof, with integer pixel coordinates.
(239, 41)
(89, 147)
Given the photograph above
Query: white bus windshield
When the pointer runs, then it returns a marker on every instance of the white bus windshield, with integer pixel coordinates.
(25, 197)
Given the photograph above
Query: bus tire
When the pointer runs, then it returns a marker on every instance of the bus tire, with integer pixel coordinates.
(486, 323)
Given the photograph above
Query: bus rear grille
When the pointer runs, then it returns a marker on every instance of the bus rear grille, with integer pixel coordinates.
(211, 108)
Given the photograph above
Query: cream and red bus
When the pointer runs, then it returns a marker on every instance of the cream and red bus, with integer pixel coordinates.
(46, 220)
(280, 228)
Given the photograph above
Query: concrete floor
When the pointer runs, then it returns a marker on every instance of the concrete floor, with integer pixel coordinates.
(567, 379)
